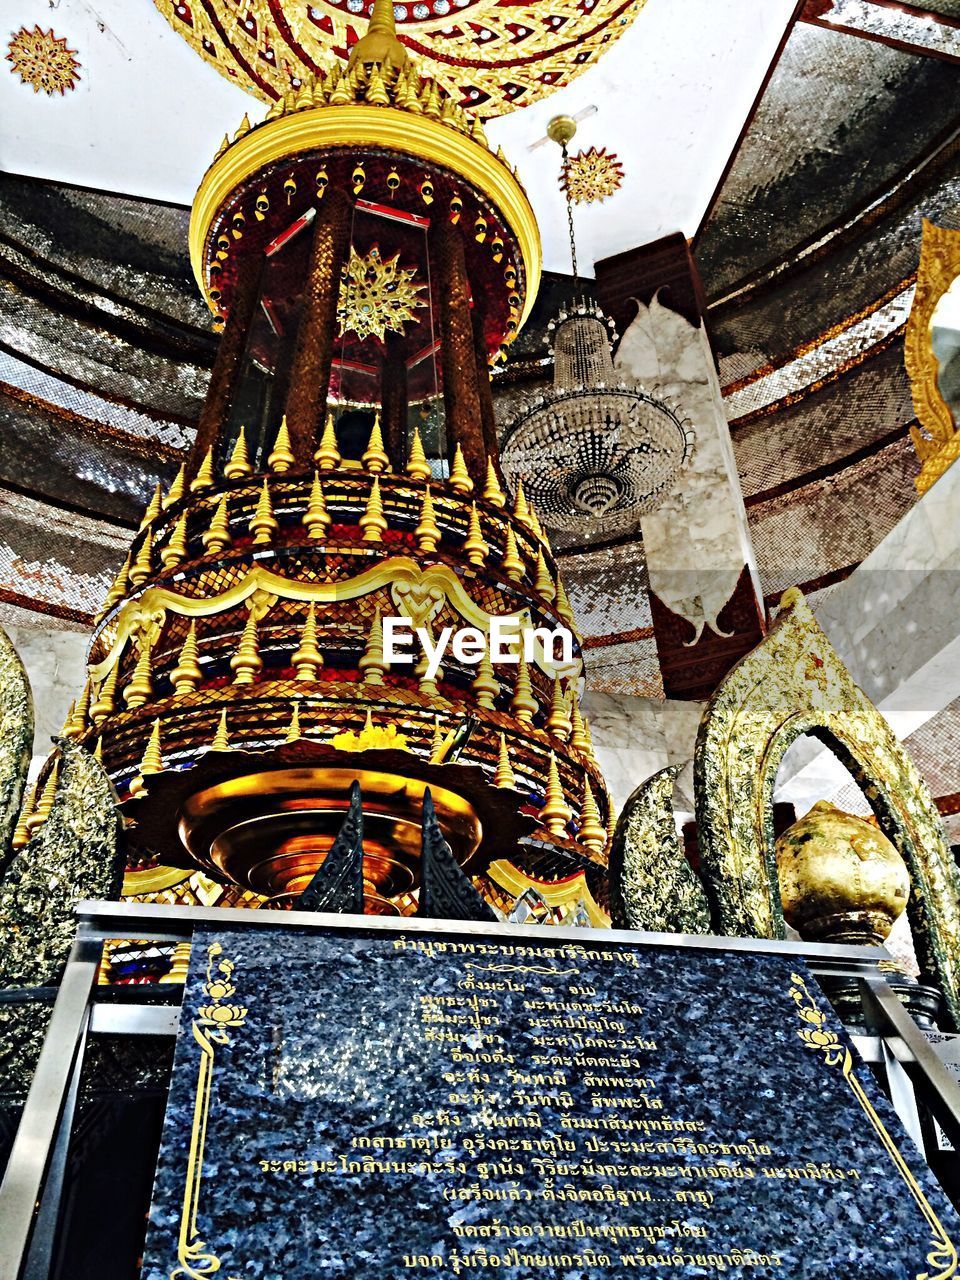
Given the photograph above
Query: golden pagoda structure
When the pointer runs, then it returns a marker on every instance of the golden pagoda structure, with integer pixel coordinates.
(368, 257)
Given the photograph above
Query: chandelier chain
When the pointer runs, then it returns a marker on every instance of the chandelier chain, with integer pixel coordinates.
(573, 238)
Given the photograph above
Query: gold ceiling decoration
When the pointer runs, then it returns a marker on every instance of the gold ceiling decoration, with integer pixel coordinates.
(936, 440)
(492, 55)
(591, 176)
(43, 61)
(377, 294)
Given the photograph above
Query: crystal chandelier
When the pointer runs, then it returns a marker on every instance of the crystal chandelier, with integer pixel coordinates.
(596, 452)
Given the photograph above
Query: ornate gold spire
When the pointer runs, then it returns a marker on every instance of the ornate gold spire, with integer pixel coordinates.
(316, 518)
(204, 479)
(106, 702)
(427, 531)
(140, 688)
(21, 833)
(542, 582)
(503, 775)
(372, 665)
(592, 832)
(474, 544)
(263, 526)
(512, 564)
(152, 761)
(175, 551)
(492, 492)
(562, 603)
(460, 481)
(417, 465)
(119, 588)
(281, 458)
(142, 566)
(177, 488)
(217, 538)
(523, 704)
(307, 658)
(373, 522)
(486, 686)
(186, 675)
(556, 813)
(221, 740)
(379, 46)
(294, 731)
(239, 465)
(558, 721)
(535, 523)
(520, 508)
(327, 456)
(437, 742)
(154, 507)
(375, 457)
(246, 663)
(578, 738)
(78, 718)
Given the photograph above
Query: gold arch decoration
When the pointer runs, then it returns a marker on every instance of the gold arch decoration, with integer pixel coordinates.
(794, 683)
(417, 593)
(492, 55)
(936, 439)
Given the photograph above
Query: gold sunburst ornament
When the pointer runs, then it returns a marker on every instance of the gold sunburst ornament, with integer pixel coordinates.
(43, 60)
(377, 294)
(591, 175)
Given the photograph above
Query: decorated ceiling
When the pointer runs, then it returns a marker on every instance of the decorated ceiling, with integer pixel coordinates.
(495, 55)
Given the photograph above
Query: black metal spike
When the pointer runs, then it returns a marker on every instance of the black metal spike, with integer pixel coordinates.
(445, 892)
(337, 884)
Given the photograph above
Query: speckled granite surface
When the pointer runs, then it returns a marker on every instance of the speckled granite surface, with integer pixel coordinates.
(397, 1105)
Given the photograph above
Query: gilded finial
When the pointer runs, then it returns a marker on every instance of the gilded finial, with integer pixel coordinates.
(307, 658)
(611, 823)
(535, 525)
(376, 93)
(204, 479)
(106, 701)
(152, 761)
(186, 675)
(246, 663)
(512, 564)
(523, 704)
(221, 741)
(578, 737)
(47, 796)
(316, 518)
(556, 813)
(521, 508)
(79, 717)
(503, 775)
(417, 465)
(119, 588)
(327, 456)
(175, 551)
(71, 711)
(437, 742)
(21, 833)
(281, 458)
(263, 526)
(372, 666)
(239, 465)
(592, 832)
(474, 544)
(140, 688)
(460, 481)
(558, 721)
(427, 531)
(485, 685)
(562, 604)
(154, 508)
(375, 456)
(379, 46)
(373, 523)
(492, 492)
(293, 731)
(542, 582)
(142, 565)
(217, 538)
(177, 488)
(98, 750)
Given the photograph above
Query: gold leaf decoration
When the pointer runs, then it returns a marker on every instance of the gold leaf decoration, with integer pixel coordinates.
(43, 61)
(378, 294)
(591, 176)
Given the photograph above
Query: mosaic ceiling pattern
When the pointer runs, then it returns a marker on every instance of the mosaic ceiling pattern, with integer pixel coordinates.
(496, 55)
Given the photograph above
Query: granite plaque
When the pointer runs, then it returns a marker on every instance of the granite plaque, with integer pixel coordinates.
(377, 1104)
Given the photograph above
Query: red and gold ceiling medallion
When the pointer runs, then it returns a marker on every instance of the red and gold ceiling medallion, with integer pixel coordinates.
(43, 60)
